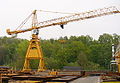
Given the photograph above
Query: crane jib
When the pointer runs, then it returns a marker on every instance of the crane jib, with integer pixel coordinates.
(71, 18)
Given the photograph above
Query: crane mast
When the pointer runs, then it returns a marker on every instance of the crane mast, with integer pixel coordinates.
(34, 50)
(117, 56)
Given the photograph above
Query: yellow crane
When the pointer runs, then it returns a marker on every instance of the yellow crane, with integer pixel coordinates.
(34, 50)
(117, 57)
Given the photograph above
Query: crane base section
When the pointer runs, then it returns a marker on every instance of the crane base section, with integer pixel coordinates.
(34, 52)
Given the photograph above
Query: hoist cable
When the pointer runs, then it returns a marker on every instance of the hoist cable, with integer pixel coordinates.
(56, 12)
(24, 22)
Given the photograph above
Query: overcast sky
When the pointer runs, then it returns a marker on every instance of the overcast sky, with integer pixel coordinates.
(13, 12)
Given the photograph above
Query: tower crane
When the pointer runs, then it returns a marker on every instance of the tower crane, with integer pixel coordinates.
(34, 50)
(117, 57)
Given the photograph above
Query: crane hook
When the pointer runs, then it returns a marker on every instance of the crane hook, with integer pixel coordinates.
(62, 26)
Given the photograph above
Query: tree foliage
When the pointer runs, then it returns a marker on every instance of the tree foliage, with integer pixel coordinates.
(83, 51)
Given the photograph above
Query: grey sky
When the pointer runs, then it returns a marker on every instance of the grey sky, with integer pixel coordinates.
(13, 12)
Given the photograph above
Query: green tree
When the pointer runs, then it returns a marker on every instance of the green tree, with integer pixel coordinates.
(105, 38)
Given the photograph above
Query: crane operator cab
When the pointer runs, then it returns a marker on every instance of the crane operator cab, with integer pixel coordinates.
(35, 31)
